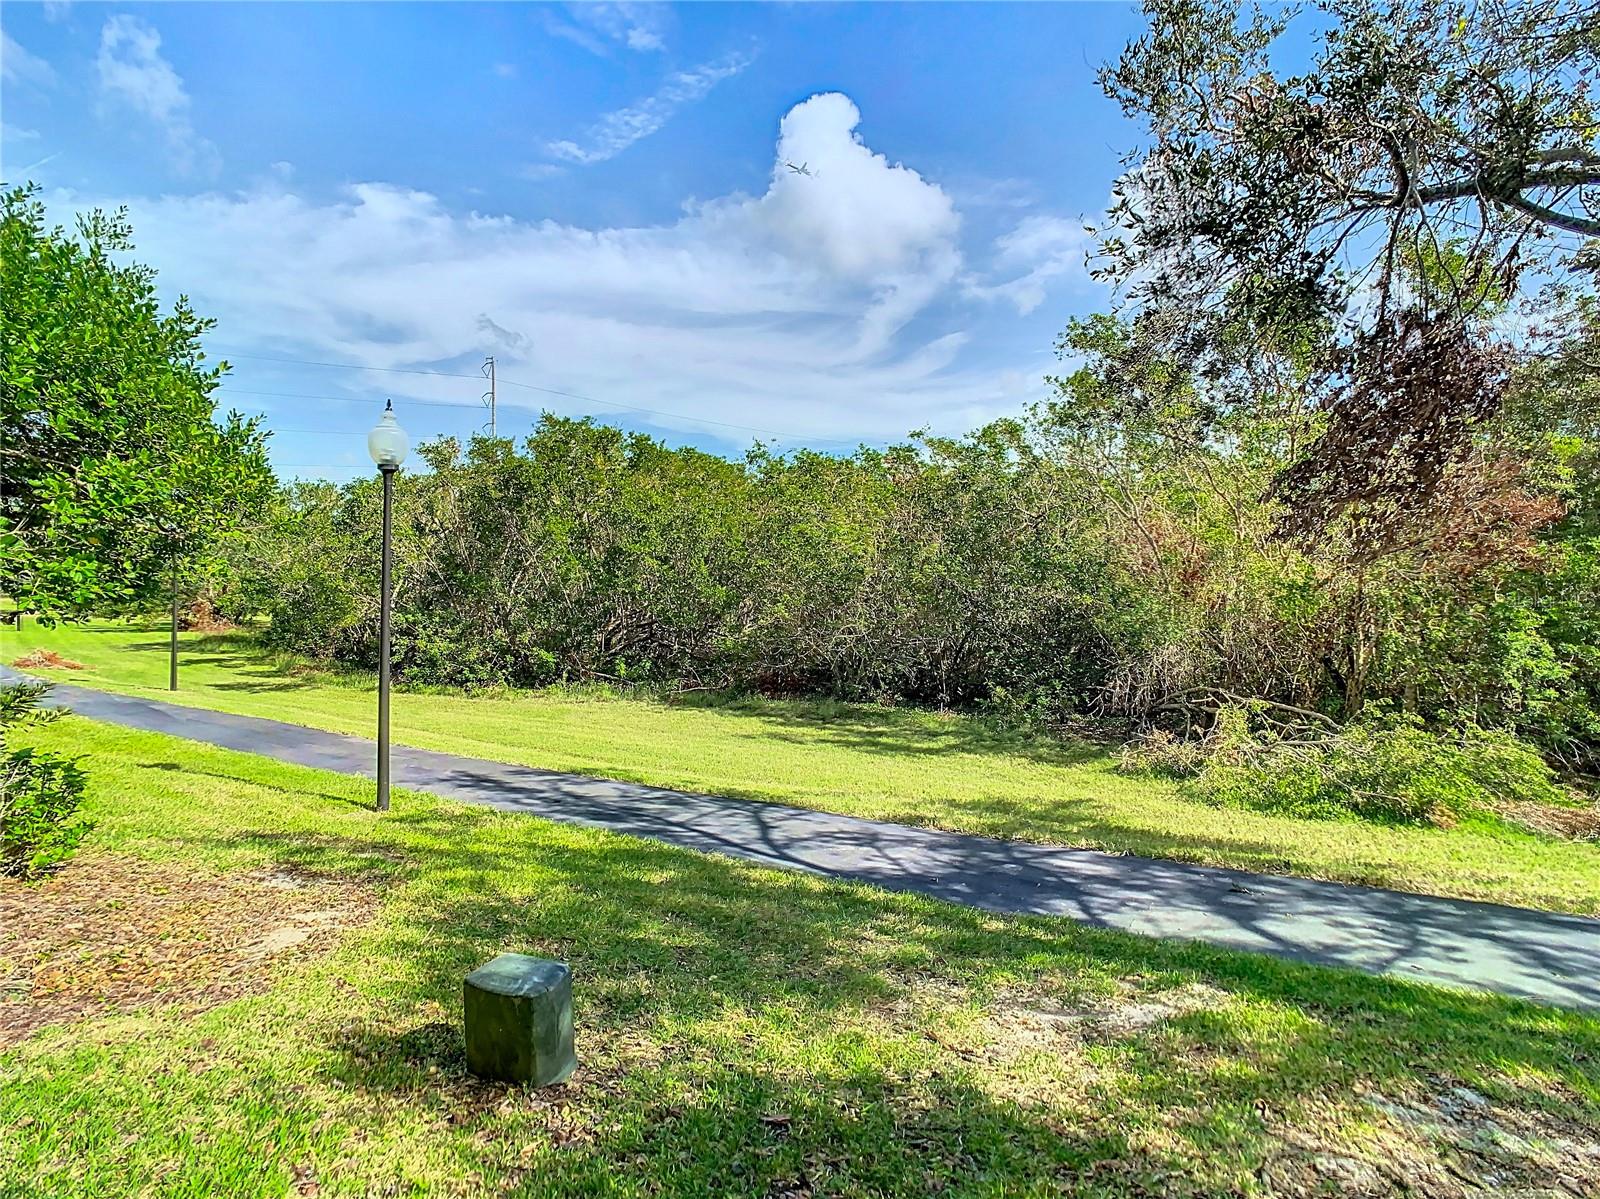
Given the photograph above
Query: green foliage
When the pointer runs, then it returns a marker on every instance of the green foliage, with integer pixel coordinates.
(1093, 559)
(1362, 187)
(1386, 767)
(936, 572)
(112, 459)
(39, 790)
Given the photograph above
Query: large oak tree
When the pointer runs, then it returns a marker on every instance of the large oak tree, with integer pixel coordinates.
(1361, 190)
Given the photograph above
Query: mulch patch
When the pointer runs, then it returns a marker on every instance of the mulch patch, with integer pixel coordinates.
(109, 933)
(47, 657)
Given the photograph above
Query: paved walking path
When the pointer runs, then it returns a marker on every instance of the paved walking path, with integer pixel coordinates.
(1537, 955)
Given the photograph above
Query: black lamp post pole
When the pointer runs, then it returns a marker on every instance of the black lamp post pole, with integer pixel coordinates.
(383, 644)
(172, 673)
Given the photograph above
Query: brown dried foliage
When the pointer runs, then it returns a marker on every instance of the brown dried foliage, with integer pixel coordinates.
(1416, 390)
(46, 658)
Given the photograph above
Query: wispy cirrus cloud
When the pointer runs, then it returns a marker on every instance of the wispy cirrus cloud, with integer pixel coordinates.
(135, 75)
(18, 65)
(597, 27)
(616, 131)
(1037, 252)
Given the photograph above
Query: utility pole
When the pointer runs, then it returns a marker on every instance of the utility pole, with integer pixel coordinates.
(489, 397)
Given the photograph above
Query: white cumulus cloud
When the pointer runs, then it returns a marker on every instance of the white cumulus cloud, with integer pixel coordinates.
(808, 308)
(854, 211)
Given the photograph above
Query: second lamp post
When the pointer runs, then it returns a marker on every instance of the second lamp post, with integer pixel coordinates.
(387, 444)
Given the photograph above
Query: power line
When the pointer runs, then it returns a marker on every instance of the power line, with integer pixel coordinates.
(351, 366)
(571, 395)
(303, 395)
(489, 396)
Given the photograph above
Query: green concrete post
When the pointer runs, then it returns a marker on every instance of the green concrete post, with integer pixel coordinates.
(518, 1012)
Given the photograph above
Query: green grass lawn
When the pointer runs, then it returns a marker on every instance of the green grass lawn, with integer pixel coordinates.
(742, 1031)
(910, 766)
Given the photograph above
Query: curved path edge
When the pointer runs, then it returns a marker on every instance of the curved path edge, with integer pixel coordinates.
(1543, 956)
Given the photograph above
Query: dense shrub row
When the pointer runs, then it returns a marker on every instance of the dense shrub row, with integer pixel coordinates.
(1040, 568)
(938, 574)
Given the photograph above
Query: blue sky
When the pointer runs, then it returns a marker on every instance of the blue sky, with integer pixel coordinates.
(597, 195)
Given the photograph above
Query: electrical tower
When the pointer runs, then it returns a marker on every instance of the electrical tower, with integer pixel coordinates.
(488, 396)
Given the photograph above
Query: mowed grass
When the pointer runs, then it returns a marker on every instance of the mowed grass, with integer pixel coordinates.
(915, 767)
(743, 1032)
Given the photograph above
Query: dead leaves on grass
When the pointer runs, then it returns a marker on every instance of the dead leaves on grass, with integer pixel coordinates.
(1572, 822)
(1445, 1142)
(110, 934)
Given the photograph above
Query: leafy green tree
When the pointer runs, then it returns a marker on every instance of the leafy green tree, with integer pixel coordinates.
(113, 461)
(1295, 188)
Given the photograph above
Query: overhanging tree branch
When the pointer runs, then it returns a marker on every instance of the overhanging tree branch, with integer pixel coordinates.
(1551, 216)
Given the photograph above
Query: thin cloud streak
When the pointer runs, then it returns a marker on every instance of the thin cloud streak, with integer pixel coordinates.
(618, 130)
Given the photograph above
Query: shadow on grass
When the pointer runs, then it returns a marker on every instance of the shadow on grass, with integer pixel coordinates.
(729, 1127)
(241, 652)
(330, 796)
(878, 1133)
(753, 988)
(121, 629)
(258, 670)
(1089, 820)
(899, 732)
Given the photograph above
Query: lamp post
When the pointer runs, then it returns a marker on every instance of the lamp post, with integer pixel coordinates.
(172, 674)
(173, 538)
(387, 444)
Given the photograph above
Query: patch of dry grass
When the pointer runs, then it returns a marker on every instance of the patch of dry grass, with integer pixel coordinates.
(109, 933)
(46, 659)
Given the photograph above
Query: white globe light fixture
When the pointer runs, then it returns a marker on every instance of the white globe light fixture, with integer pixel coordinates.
(387, 443)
